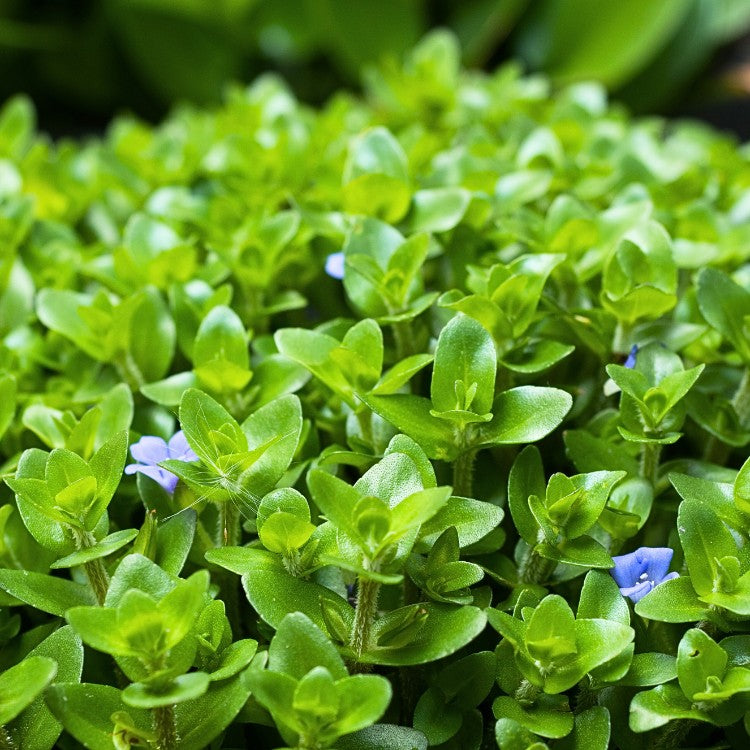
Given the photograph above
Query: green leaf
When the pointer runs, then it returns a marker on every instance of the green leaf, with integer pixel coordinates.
(654, 708)
(115, 541)
(550, 716)
(725, 305)
(209, 428)
(85, 710)
(274, 593)
(524, 415)
(412, 416)
(21, 684)
(48, 593)
(590, 732)
(650, 669)
(384, 737)
(437, 209)
(36, 723)
(698, 658)
(705, 540)
(465, 355)
(672, 601)
(184, 687)
(601, 599)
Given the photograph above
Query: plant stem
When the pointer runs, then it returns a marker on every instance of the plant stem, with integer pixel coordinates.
(650, 462)
(403, 337)
(463, 474)
(364, 614)
(229, 525)
(364, 417)
(672, 734)
(165, 728)
(526, 693)
(98, 578)
(535, 568)
(95, 570)
(6, 740)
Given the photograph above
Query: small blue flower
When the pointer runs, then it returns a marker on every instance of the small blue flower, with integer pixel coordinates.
(637, 573)
(150, 450)
(335, 265)
(630, 361)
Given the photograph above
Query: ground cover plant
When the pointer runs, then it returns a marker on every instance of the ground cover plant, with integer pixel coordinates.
(415, 420)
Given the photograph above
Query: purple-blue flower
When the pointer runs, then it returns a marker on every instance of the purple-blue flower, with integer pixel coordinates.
(637, 573)
(630, 361)
(150, 450)
(335, 265)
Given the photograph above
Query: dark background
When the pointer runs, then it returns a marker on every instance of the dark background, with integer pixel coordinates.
(84, 61)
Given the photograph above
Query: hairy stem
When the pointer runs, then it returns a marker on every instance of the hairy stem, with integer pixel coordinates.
(526, 693)
(95, 570)
(165, 728)
(229, 525)
(463, 474)
(650, 462)
(364, 614)
(6, 740)
(535, 568)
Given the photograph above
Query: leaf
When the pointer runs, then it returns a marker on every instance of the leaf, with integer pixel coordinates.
(724, 304)
(21, 684)
(85, 710)
(672, 601)
(465, 354)
(524, 415)
(274, 593)
(47, 593)
(299, 646)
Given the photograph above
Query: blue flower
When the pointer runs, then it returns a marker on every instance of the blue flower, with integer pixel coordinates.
(630, 361)
(335, 265)
(150, 450)
(637, 573)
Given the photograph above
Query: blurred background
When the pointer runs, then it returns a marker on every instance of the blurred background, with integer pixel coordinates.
(83, 61)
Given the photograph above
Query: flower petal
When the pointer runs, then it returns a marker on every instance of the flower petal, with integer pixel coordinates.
(179, 449)
(149, 450)
(637, 592)
(335, 265)
(163, 477)
(628, 568)
(657, 560)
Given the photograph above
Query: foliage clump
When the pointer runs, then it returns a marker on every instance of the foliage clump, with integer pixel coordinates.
(389, 372)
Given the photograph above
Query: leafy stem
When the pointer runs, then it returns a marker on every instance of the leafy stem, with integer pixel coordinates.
(535, 568)
(650, 461)
(95, 570)
(165, 728)
(6, 740)
(463, 473)
(229, 525)
(364, 614)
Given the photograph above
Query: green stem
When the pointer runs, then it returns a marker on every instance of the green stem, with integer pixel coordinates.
(95, 570)
(165, 728)
(673, 734)
(650, 462)
(621, 340)
(229, 525)
(6, 740)
(403, 336)
(526, 693)
(535, 568)
(364, 417)
(98, 578)
(364, 614)
(463, 474)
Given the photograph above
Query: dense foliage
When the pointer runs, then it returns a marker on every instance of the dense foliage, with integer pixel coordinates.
(376, 511)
